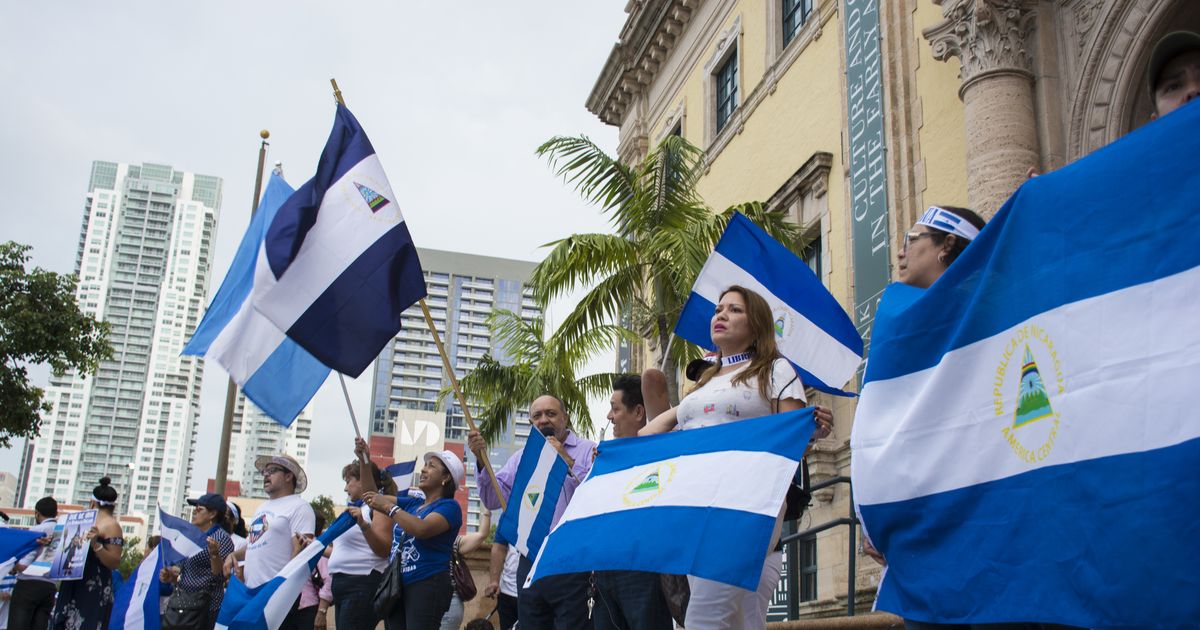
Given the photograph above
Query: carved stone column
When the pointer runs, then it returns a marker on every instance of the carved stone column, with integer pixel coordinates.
(990, 38)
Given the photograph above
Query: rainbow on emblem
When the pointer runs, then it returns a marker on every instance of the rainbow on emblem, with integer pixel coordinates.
(1033, 403)
(375, 200)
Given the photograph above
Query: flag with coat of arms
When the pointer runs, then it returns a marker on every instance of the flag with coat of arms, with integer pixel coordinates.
(536, 486)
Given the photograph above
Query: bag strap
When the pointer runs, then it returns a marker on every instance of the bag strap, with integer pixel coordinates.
(775, 409)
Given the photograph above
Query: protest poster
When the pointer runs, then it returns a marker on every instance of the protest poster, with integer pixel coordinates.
(71, 551)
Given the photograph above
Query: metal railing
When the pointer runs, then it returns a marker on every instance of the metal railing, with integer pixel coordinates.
(850, 519)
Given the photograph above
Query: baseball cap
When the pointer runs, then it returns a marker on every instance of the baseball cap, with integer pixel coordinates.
(212, 501)
(1169, 47)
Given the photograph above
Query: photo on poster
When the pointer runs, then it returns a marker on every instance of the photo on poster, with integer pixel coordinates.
(72, 548)
(40, 566)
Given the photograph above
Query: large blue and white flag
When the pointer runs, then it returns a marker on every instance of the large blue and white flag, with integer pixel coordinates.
(273, 371)
(701, 502)
(267, 605)
(401, 473)
(811, 328)
(345, 263)
(136, 604)
(1025, 446)
(16, 544)
(186, 539)
(535, 489)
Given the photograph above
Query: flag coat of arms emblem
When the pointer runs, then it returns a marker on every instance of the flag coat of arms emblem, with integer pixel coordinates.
(1024, 448)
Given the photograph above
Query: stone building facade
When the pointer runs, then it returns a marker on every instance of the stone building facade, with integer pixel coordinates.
(856, 115)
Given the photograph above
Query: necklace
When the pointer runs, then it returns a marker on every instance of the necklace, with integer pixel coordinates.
(737, 358)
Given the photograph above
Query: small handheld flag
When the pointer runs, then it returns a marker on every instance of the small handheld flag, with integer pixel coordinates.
(136, 604)
(402, 473)
(811, 328)
(186, 539)
(345, 264)
(535, 489)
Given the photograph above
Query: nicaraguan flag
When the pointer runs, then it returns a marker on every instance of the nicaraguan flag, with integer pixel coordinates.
(135, 606)
(1025, 446)
(186, 539)
(273, 371)
(811, 328)
(402, 472)
(535, 490)
(16, 544)
(700, 502)
(267, 606)
(345, 263)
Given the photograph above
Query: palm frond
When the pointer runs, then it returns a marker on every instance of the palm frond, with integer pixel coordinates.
(579, 260)
(600, 178)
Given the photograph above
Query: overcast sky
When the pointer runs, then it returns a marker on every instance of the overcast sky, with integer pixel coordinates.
(455, 98)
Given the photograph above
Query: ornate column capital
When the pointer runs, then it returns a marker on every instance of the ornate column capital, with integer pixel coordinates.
(988, 36)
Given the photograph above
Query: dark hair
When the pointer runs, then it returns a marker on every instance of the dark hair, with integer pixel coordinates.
(235, 527)
(152, 542)
(630, 386)
(383, 483)
(478, 624)
(938, 236)
(47, 506)
(319, 525)
(105, 492)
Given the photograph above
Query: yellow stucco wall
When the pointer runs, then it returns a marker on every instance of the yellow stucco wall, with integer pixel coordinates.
(943, 132)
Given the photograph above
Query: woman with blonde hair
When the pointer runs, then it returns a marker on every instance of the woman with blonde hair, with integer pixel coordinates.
(749, 379)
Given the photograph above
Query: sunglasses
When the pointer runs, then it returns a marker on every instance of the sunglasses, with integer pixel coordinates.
(271, 470)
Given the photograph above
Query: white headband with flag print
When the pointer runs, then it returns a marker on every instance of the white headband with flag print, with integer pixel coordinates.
(947, 221)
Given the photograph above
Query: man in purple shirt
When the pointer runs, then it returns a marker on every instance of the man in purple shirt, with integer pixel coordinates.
(557, 601)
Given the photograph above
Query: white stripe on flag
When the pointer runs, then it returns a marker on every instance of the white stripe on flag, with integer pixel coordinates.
(808, 345)
(345, 228)
(918, 434)
(528, 514)
(249, 338)
(687, 481)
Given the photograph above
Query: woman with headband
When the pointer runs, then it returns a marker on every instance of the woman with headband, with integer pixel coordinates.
(935, 242)
(86, 604)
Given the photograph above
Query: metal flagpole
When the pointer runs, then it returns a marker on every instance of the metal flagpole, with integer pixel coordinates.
(437, 339)
(666, 352)
(231, 389)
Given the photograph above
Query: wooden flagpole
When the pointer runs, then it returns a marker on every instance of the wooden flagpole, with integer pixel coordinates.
(437, 339)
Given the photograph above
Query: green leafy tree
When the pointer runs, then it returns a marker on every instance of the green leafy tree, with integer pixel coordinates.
(535, 365)
(323, 506)
(641, 275)
(131, 556)
(40, 323)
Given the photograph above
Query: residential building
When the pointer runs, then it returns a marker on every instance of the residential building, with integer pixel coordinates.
(406, 419)
(8, 489)
(255, 434)
(856, 115)
(143, 265)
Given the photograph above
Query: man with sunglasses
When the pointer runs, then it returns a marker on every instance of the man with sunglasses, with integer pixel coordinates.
(284, 515)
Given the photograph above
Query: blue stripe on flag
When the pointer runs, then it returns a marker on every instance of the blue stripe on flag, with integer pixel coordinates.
(136, 603)
(400, 469)
(1100, 526)
(16, 543)
(1053, 248)
(756, 434)
(286, 382)
(674, 540)
(347, 145)
(361, 311)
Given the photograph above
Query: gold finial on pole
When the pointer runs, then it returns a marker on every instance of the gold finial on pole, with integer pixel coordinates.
(336, 92)
(264, 134)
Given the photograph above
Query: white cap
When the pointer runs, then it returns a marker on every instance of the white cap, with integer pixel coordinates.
(453, 463)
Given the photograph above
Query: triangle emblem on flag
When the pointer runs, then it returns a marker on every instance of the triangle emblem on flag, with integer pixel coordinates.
(1033, 403)
(647, 484)
(533, 498)
(374, 200)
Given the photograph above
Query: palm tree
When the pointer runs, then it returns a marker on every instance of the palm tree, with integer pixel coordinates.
(531, 365)
(641, 275)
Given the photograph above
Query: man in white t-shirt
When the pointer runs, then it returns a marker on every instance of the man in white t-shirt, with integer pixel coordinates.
(284, 515)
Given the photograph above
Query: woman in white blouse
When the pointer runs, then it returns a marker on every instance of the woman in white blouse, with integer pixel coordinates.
(750, 379)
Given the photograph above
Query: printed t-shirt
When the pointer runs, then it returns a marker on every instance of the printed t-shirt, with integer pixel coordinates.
(720, 401)
(421, 559)
(269, 543)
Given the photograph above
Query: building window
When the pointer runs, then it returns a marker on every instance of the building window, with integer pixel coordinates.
(727, 96)
(795, 14)
(808, 569)
(811, 254)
